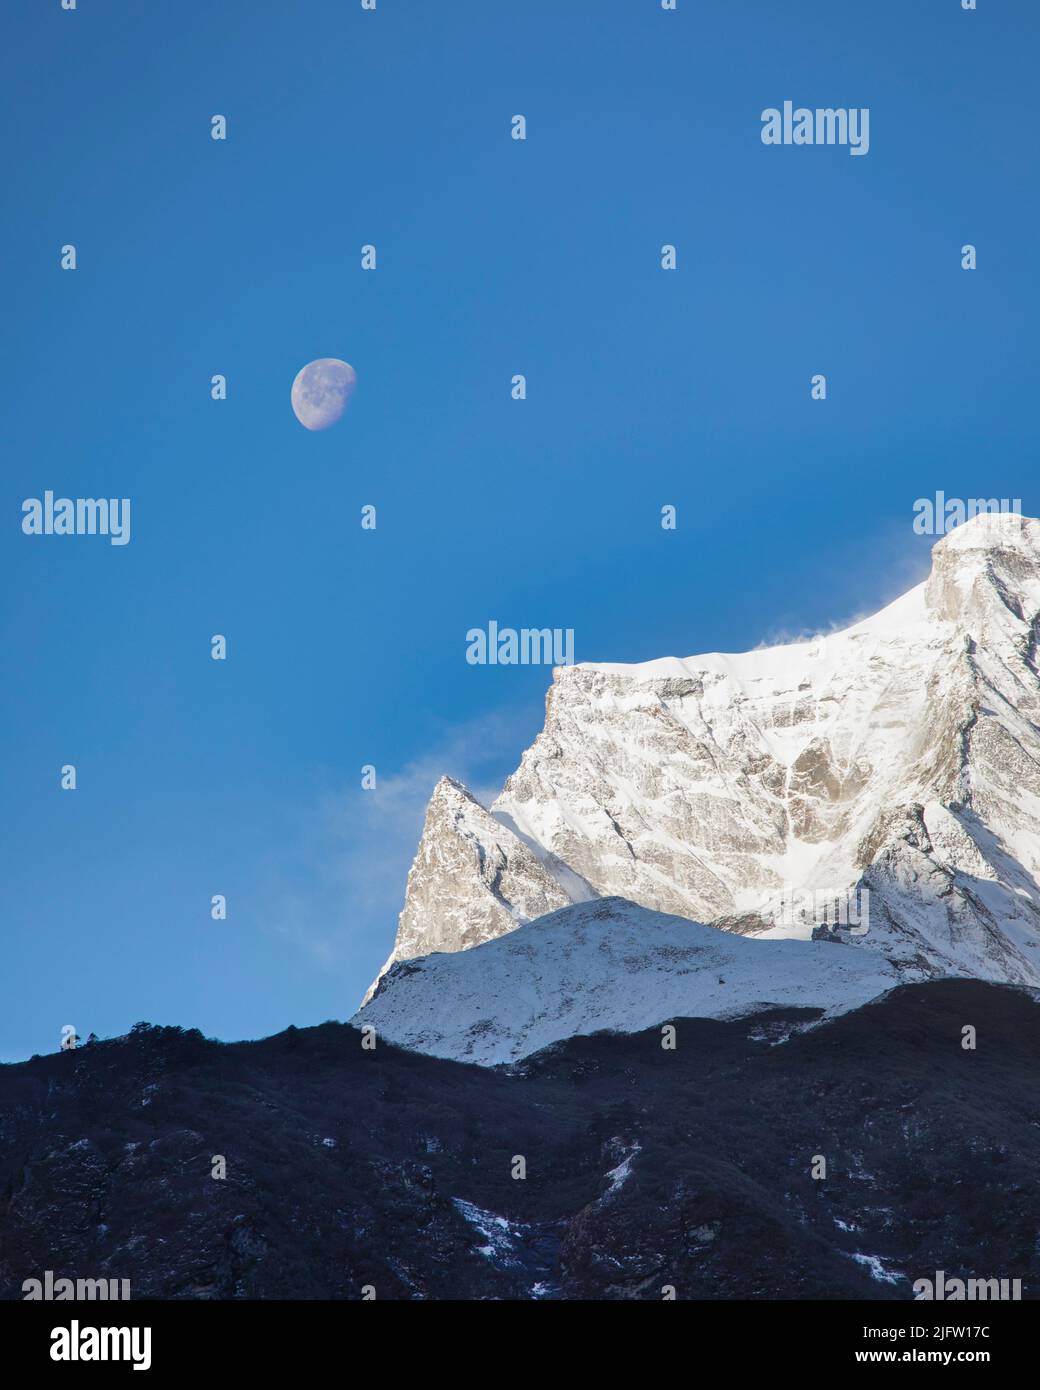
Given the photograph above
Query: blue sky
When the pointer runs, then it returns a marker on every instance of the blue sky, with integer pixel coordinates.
(645, 387)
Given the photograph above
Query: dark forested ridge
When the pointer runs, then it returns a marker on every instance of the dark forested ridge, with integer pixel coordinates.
(645, 1168)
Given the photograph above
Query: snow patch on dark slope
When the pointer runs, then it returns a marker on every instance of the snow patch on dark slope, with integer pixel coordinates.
(607, 965)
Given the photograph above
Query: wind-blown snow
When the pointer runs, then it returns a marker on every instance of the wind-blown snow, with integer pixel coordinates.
(606, 965)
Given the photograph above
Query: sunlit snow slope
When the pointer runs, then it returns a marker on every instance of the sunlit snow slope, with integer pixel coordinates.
(606, 965)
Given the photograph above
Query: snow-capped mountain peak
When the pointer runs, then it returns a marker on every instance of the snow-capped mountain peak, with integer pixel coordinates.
(900, 756)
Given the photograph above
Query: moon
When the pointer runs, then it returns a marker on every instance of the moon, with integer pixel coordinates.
(322, 391)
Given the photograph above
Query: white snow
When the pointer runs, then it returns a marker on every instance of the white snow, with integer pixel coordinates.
(876, 1265)
(500, 1234)
(606, 966)
(620, 1175)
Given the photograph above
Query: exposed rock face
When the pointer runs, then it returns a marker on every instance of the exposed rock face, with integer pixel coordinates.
(472, 879)
(901, 755)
